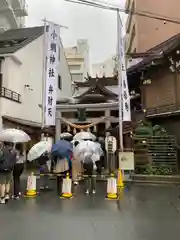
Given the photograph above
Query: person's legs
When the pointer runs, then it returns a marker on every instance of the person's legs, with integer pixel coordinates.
(18, 169)
(8, 178)
(44, 179)
(93, 184)
(2, 188)
(88, 172)
(76, 168)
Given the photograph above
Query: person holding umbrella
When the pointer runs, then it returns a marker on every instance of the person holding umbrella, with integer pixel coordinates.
(18, 170)
(62, 154)
(10, 137)
(40, 153)
(7, 163)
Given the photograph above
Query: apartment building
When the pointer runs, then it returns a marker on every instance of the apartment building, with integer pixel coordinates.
(78, 60)
(143, 33)
(106, 68)
(12, 14)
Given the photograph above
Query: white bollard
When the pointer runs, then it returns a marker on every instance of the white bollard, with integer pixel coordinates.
(31, 186)
(66, 188)
(112, 187)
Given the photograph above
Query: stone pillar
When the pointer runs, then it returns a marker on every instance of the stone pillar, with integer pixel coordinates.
(58, 126)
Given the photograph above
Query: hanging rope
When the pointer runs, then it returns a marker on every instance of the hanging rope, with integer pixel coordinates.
(82, 127)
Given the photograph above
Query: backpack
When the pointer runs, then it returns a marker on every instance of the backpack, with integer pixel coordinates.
(7, 160)
(42, 160)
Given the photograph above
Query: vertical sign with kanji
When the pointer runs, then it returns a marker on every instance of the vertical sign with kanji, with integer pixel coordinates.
(53, 35)
(125, 97)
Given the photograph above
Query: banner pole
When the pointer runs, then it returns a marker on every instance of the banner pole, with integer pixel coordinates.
(43, 81)
(119, 36)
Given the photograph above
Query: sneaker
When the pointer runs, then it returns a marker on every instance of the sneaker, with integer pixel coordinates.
(3, 200)
(87, 192)
(14, 197)
(93, 191)
(7, 197)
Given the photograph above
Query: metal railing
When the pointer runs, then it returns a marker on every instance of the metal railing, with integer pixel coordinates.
(11, 95)
(157, 151)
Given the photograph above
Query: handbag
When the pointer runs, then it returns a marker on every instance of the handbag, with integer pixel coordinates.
(61, 166)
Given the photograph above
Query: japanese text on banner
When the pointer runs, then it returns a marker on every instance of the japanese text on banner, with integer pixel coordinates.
(125, 91)
(51, 74)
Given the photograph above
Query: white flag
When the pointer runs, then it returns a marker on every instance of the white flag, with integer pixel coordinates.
(52, 43)
(124, 91)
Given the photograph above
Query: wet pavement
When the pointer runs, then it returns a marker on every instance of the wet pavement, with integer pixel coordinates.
(142, 213)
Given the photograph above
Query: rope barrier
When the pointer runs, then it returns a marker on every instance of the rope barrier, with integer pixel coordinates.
(64, 175)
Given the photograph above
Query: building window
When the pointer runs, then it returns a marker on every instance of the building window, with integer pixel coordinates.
(75, 67)
(59, 82)
(77, 77)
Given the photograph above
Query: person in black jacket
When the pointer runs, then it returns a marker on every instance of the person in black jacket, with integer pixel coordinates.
(44, 162)
(7, 163)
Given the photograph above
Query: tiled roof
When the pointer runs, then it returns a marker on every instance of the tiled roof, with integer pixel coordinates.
(158, 51)
(14, 39)
(104, 81)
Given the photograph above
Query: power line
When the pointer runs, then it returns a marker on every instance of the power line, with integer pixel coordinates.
(101, 5)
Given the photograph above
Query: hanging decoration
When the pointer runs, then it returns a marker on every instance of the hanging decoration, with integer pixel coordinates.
(74, 130)
(95, 128)
(82, 127)
(68, 128)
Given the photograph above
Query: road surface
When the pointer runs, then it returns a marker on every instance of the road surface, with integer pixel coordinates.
(142, 213)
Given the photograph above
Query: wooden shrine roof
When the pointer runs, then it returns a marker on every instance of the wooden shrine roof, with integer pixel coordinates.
(104, 81)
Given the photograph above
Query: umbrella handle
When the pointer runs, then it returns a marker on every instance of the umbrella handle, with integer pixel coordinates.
(14, 146)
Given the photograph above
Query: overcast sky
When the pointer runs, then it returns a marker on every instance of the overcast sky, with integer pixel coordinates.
(96, 25)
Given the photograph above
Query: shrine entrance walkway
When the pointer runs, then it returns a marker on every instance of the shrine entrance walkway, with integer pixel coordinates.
(142, 213)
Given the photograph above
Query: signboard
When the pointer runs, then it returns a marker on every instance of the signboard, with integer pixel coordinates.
(52, 53)
(126, 160)
(110, 144)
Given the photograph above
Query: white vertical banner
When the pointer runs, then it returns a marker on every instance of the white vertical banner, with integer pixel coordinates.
(52, 43)
(125, 97)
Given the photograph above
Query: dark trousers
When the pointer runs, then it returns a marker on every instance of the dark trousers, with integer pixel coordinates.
(17, 172)
(90, 180)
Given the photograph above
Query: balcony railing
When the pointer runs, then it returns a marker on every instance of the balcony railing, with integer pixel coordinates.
(163, 110)
(11, 95)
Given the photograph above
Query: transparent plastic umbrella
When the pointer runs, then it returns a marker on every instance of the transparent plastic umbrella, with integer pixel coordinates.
(84, 136)
(87, 149)
(65, 134)
(38, 149)
(14, 135)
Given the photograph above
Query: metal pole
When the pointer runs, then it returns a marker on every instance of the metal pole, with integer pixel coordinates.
(43, 81)
(119, 36)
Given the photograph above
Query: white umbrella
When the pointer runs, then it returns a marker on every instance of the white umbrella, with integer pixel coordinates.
(65, 135)
(14, 135)
(87, 149)
(84, 136)
(38, 149)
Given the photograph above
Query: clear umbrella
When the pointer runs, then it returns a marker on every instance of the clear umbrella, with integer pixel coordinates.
(87, 149)
(84, 136)
(65, 134)
(38, 149)
(14, 135)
